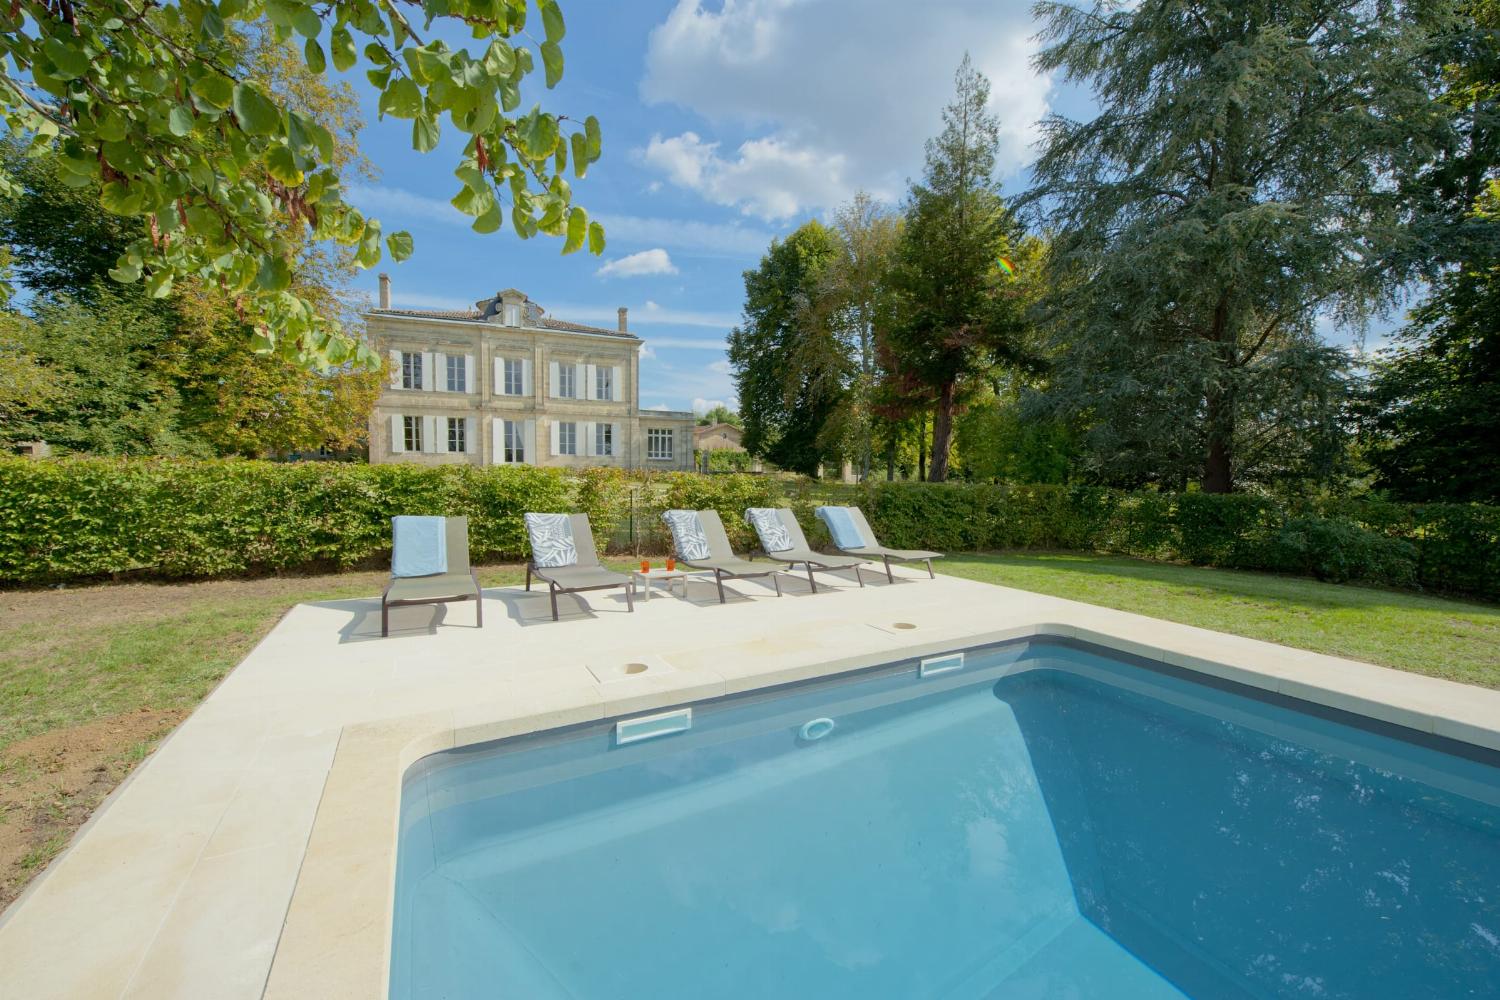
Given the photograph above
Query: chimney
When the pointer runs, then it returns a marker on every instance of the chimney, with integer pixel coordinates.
(623, 327)
(385, 290)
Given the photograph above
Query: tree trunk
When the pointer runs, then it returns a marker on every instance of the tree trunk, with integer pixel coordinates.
(922, 450)
(1218, 465)
(942, 432)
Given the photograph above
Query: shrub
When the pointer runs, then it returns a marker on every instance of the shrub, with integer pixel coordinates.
(90, 518)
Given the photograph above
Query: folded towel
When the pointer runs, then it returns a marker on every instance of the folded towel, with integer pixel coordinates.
(767, 524)
(846, 534)
(551, 540)
(687, 534)
(419, 546)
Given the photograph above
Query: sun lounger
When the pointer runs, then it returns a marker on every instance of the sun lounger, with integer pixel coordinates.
(781, 538)
(420, 546)
(851, 533)
(701, 543)
(563, 556)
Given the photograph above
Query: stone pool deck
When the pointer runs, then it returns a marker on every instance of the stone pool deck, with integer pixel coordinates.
(253, 854)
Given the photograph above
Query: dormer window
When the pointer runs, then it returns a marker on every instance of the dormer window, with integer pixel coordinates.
(513, 315)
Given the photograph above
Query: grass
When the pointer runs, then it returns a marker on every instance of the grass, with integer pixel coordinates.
(1423, 634)
(91, 678)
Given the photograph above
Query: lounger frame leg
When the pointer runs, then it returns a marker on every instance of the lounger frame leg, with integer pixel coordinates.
(889, 578)
(930, 574)
(719, 582)
(552, 590)
(385, 619)
(810, 581)
(776, 579)
(528, 576)
(858, 577)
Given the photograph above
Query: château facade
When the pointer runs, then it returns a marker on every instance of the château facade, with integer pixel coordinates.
(506, 384)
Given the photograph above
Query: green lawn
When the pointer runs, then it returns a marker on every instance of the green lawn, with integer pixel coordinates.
(1423, 634)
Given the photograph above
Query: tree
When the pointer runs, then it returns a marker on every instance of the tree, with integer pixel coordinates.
(1433, 410)
(850, 296)
(158, 105)
(1235, 186)
(954, 312)
(789, 366)
(720, 414)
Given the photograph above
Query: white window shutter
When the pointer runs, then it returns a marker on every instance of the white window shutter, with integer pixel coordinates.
(497, 440)
(617, 384)
(471, 433)
(553, 381)
(614, 438)
(587, 430)
(429, 364)
(553, 427)
(468, 372)
(528, 442)
(395, 369)
(580, 378)
(429, 434)
(590, 386)
(398, 434)
(526, 389)
(499, 376)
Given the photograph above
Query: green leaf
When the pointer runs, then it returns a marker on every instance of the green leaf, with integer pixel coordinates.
(256, 113)
(400, 245)
(307, 23)
(341, 44)
(424, 133)
(120, 198)
(274, 274)
(592, 137)
(499, 59)
(402, 99)
(538, 134)
(216, 90)
(312, 53)
(580, 155)
(489, 221)
(282, 165)
(159, 284)
(552, 60)
(69, 61)
(552, 20)
(179, 121)
(578, 222)
(126, 272)
(596, 238)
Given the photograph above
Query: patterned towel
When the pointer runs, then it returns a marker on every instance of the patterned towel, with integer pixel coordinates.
(419, 546)
(687, 534)
(551, 540)
(846, 534)
(768, 525)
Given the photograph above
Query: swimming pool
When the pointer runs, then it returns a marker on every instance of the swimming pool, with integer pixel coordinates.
(1041, 820)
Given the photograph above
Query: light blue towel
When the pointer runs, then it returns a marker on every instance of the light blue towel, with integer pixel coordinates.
(846, 534)
(420, 546)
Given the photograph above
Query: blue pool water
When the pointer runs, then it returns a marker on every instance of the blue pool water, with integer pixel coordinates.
(1047, 822)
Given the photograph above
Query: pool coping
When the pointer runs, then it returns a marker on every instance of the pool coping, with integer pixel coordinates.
(336, 938)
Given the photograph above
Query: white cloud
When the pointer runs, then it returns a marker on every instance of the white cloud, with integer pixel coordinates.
(659, 407)
(719, 367)
(634, 265)
(837, 95)
(702, 406)
(380, 200)
(765, 177)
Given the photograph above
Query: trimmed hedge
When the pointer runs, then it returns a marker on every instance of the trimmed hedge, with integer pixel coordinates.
(92, 518)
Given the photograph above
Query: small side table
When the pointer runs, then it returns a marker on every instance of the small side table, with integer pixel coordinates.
(658, 573)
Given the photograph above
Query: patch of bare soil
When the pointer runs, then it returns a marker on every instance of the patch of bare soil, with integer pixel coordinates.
(51, 783)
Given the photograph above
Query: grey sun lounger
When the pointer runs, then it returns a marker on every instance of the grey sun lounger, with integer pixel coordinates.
(456, 583)
(701, 543)
(781, 539)
(563, 557)
(870, 547)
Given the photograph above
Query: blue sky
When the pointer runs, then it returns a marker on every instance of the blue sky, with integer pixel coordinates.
(725, 124)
